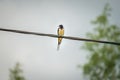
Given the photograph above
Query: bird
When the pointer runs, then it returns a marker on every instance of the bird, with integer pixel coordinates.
(60, 33)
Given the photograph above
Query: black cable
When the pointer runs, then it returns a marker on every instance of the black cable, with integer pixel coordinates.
(56, 36)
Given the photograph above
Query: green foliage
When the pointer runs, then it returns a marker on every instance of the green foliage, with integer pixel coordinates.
(16, 73)
(104, 60)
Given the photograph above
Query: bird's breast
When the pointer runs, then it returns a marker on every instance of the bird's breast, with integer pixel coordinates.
(61, 32)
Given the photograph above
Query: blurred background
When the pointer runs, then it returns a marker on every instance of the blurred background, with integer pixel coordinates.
(76, 60)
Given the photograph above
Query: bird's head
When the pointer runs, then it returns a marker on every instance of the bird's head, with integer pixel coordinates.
(61, 26)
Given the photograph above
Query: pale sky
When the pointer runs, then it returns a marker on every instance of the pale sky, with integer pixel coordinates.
(38, 55)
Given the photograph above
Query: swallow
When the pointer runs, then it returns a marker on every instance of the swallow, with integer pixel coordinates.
(60, 32)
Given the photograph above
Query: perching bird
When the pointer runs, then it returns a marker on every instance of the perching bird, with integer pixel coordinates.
(60, 33)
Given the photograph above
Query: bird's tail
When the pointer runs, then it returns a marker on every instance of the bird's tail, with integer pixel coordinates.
(58, 47)
(59, 42)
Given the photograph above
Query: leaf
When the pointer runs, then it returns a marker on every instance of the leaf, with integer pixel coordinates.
(103, 58)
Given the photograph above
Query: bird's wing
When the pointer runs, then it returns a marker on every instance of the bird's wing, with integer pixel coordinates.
(58, 31)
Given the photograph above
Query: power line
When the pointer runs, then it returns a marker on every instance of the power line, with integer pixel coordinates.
(56, 36)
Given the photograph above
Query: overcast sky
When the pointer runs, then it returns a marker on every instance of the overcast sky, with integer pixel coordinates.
(38, 55)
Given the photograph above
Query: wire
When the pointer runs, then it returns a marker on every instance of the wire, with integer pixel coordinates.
(56, 36)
